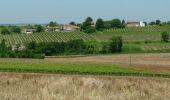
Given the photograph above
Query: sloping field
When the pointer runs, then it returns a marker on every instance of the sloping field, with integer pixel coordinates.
(128, 34)
(60, 87)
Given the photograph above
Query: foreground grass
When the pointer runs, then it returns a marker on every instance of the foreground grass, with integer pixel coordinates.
(86, 69)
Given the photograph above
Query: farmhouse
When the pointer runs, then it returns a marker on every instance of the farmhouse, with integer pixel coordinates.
(136, 24)
(52, 29)
(70, 27)
(28, 31)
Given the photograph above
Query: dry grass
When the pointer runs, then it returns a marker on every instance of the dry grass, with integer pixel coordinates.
(60, 87)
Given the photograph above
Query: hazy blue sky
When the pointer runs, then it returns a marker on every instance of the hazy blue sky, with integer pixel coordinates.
(64, 11)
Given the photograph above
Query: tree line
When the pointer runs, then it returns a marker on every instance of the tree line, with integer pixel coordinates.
(88, 26)
(72, 47)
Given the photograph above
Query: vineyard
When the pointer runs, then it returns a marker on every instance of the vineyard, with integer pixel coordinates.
(45, 37)
(128, 34)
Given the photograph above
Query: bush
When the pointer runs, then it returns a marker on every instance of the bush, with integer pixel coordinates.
(165, 37)
(116, 44)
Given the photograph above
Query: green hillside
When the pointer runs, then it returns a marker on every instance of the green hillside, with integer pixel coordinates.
(146, 34)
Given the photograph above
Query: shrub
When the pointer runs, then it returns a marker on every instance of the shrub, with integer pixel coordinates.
(165, 37)
(116, 44)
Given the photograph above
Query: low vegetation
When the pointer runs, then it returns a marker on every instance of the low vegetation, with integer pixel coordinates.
(85, 69)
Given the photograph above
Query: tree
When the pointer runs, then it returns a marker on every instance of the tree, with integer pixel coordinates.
(16, 29)
(165, 37)
(116, 44)
(108, 24)
(158, 22)
(152, 23)
(146, 24)
(99, 25)
(72, 23)
(3, 48)
(5, 31)
(87, 26)
(52, 24)
(123, 24)
(116, 23)
(39, 28)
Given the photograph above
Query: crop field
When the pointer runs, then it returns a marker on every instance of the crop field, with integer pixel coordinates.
(45, 37)
(141, 65)
(100, 77)
(18, 86)
(133, 34)
(146, 34)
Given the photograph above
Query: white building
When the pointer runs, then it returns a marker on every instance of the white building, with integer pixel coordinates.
(70, 27)
(136, 24)
(28, 31)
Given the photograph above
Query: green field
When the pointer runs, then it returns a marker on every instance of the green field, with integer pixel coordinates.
(87, 69)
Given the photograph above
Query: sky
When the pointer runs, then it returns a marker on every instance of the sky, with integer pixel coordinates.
(65, 11)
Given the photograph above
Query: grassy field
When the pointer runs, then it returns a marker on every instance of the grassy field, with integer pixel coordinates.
(77, 87)
(89, 69)
(93, 65)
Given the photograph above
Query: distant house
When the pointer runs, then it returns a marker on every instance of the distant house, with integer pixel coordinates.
(70, 27)
(52, 29)
(28, 31)
(136, 24)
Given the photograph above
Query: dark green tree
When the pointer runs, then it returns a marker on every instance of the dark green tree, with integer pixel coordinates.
(123, 24)
(165, 37)
(116, 23)
(16, 30)
(152, 23)
(158, 22)
(52, 24)
(87, 26)
(99, 24)
(3, 48)
(116, 44)
(39, 28)
(72, 23)
(108, 24)
(5, 31)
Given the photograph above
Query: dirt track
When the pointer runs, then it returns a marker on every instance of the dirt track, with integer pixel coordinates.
(60, 87)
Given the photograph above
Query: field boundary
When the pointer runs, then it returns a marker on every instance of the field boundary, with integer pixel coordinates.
(85, 73)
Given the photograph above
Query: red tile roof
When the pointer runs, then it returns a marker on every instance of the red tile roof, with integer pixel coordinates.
(133, 22)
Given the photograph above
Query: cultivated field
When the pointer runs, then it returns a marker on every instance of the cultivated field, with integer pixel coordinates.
(60, 87)
(101, 64)
(148, 61)
(20, 86)
(152, 34)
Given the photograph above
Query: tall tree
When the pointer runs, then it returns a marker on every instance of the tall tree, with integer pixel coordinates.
(158, 22)
(116, 23)
(99, 24)
(87, 26)
(39, 28)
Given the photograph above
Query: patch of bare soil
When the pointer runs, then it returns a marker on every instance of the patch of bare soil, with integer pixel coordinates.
(157, 62)
(60, 87)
